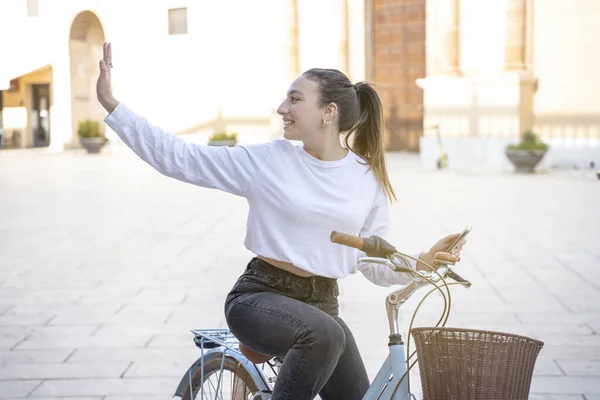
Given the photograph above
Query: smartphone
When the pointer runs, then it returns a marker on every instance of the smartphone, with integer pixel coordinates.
(459, 239)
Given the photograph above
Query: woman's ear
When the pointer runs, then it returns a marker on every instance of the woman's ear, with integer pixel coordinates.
(330, 112)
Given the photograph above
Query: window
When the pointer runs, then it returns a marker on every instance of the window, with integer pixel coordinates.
(178, 21)
(33, 8)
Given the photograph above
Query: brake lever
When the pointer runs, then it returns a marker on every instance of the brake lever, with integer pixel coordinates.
(386, 261)
(453, 275)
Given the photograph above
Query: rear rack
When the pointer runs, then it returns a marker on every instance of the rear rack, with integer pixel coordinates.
(212, 338)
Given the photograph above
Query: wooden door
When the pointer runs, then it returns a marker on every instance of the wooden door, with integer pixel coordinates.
(395, 60)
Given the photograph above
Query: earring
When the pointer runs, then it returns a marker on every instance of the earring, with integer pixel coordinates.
(324, 122)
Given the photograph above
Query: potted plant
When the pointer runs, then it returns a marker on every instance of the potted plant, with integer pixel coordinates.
(527, 154)
(223, 139)
(90, 136)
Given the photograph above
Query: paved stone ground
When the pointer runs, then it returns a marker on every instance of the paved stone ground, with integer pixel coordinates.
(105, 265)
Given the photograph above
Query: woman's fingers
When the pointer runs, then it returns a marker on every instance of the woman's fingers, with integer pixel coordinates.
(103, 85)
(107, 54)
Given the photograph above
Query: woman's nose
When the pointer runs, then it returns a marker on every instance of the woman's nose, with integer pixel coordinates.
(282, 110)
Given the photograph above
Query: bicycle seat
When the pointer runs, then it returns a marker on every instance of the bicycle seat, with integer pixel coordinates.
(253, 356)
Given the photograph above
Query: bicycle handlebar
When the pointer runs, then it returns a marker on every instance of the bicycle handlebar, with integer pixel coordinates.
(347, 240)
(375, 246)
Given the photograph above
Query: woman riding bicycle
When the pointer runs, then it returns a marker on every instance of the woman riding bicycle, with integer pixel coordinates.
(285, 303)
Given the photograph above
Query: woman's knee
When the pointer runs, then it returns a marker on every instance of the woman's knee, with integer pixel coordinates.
(324, 334)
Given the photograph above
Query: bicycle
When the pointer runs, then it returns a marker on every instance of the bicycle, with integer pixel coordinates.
(222, 353)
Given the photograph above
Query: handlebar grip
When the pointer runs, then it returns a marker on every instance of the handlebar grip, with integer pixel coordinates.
(347, 240)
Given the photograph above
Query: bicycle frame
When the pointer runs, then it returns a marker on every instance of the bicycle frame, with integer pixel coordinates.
(393, 371)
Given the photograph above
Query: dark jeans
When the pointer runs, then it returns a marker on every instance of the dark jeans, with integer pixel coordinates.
(277, 313)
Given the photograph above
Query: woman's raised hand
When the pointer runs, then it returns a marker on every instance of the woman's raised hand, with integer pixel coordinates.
(103, 85)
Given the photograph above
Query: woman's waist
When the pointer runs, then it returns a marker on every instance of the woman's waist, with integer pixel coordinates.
(312, 287)
(286, 266)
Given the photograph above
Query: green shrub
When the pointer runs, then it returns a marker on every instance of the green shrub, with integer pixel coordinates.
(223, 136)
(89, 129)
(529, 141)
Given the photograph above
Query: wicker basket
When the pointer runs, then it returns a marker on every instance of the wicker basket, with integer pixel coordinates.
(468, 364)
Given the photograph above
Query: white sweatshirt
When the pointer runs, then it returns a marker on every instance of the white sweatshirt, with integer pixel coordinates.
(295, 200)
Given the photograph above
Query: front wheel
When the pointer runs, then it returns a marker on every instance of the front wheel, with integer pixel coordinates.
(230, 383)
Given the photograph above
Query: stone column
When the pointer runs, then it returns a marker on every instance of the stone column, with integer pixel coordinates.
(515, 52)
(295, 40)
(450, 38)
(346, 38)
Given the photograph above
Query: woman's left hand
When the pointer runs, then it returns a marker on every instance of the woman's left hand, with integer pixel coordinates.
(441, 246)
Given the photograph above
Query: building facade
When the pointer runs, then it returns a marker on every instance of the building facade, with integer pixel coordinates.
(188, 66)
(498, 68)
(469, 75)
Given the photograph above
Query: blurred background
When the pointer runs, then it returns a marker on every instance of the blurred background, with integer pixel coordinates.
(477, 74)
(106, 265)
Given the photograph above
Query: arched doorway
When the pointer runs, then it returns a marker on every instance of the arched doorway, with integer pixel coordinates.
(85, 50)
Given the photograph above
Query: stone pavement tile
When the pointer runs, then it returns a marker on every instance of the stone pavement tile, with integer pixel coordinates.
(35, 281)
(498, 306)
(570, 287)
(54, 308)
(41, 296)
(15, 331)
(78, 341)
(145, 397)
(157, 369)
(63, 371)
(26, 320)
(566, 384)
(211, 318)
(586, 304)
(580, 367)
(5, 307)
(571, 340)
(17, 388)
(558, 352)
(103, 295)
(7, 343)
(106, 387)
(34, 356)
(146, 355)
(152, 329)
(91, 317)
(481, 318)
(62, 398)
(146, 308)
(594, 324)
(540, 330)
(547, 368)
(48, 331)
(557, 317)
(183, 339)
(589, 396)
(158, 296)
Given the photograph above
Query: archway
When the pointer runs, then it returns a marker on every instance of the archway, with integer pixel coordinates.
(85, 50)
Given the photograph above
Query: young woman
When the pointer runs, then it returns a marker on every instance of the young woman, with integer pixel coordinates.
(286, 302)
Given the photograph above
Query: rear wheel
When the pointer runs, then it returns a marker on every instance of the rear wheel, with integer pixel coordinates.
(231, 383)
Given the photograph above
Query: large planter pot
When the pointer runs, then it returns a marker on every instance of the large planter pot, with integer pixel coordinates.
(93, 145)
(229, 143)
(525, 161)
